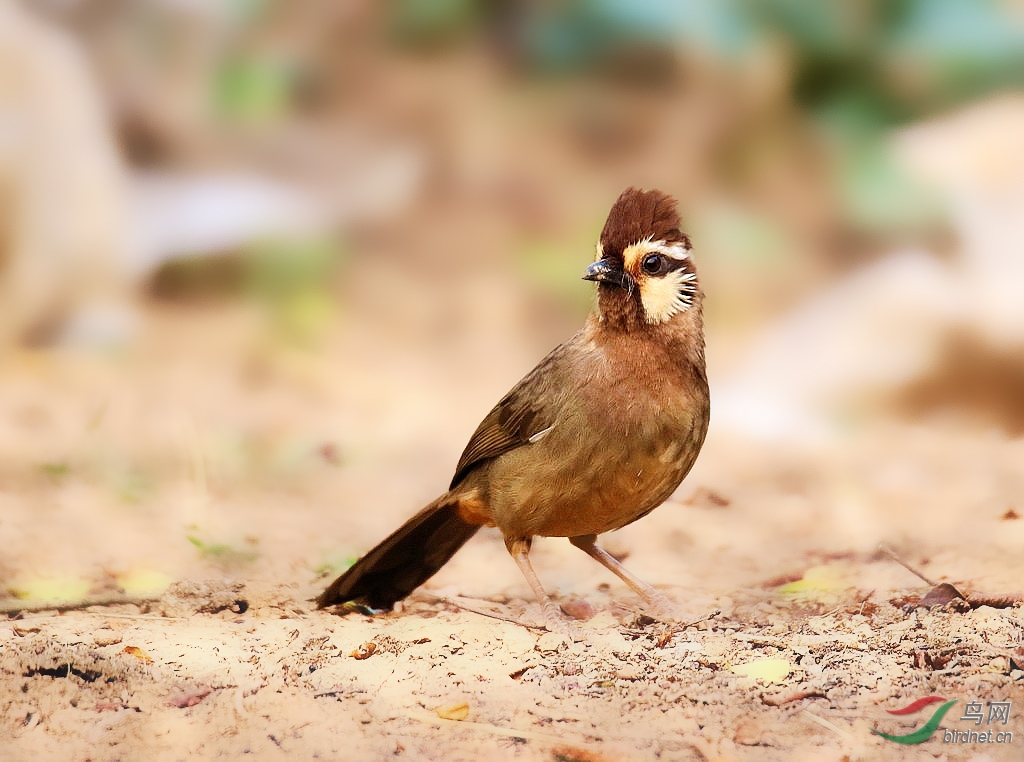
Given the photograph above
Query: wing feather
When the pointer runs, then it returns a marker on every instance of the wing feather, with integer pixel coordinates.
(530, 407)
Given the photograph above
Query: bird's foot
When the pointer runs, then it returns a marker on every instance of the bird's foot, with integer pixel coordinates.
(658, 606)
(555, 621)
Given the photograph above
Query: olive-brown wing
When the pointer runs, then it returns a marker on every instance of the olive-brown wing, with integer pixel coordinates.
(530, 407)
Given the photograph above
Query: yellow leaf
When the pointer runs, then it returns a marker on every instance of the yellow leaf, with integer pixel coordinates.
(56, 589)
(458, 711)
(770, 670)
(816, 581)
(138, 653)
(365, 651)
(142, 582)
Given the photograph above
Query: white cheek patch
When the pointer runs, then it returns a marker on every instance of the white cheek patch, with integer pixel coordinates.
(667, 295)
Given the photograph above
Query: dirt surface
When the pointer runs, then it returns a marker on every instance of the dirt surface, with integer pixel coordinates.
(246, 474)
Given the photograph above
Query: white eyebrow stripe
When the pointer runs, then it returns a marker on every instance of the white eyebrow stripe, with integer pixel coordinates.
(677, 251)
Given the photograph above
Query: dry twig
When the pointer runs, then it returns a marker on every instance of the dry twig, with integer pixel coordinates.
(844, 734)
(895, 557)
(491, 614)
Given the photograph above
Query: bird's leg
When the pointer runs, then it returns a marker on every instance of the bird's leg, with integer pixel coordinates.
(519, 549)
(656, 600)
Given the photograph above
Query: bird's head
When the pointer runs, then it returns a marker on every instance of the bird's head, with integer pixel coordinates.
(643, 268)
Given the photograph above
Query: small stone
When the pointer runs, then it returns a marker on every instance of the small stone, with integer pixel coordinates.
(578, 608)
(106, 637)
(1000, 664)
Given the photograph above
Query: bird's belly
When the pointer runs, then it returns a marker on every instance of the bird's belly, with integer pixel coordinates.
(565, 488)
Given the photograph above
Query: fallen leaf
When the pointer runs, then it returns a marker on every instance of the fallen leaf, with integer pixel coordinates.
(459, 711)
(770, 670)
(138, 653)
(365, 651)
(143, 582)
(56, 589)
(816, 582)
(944, 594)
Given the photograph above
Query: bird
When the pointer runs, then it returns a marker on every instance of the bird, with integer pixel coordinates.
(598, 435)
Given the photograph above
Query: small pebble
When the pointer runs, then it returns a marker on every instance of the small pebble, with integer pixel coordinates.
(578, 608)
(106, 637)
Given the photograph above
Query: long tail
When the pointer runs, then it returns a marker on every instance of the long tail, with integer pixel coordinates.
(405, 560)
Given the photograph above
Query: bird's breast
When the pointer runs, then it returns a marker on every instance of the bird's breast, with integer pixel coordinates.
(606, 461)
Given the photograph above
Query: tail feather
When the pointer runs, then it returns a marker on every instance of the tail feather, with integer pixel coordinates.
(406, 559)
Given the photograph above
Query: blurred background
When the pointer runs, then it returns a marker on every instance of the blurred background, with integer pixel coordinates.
(264, 264)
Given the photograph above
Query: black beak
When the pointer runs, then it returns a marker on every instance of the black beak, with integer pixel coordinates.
(604, 271)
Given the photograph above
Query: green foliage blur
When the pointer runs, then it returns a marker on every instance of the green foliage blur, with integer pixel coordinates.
(859, 68)
(293, 279)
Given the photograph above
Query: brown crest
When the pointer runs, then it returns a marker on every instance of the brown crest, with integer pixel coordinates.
(637, 215)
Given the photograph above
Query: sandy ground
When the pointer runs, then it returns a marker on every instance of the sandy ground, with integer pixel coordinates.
(246, 474)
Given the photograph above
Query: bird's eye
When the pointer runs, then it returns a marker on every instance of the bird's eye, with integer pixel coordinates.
(653, 264)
